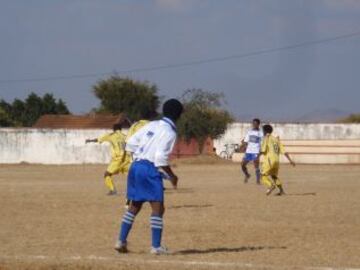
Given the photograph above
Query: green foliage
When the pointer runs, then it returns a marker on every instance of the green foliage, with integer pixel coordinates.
(5, 120)
(352, 118)
(204, 116)
(123, 95)
(26, 113)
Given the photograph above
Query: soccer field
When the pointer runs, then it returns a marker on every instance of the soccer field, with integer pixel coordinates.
(58, 217)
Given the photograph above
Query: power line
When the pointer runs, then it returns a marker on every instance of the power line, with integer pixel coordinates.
(190, 63)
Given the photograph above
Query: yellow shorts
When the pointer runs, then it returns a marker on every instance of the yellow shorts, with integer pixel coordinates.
(270, 168)
(119, 166)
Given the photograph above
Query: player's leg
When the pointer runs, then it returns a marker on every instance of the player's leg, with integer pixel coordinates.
(126, 225)
(257, 170)
(111, 170)
(266, 179)
(278, 185)
(156, 221)
(109, 183)
(244, 164)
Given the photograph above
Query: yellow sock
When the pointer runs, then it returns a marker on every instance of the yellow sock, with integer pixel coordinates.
(109, 183)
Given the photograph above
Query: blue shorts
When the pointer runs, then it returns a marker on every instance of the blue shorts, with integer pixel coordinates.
(145, 183)
(250, 157)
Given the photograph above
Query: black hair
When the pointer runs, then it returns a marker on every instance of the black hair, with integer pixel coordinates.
(173, 109)
(268, 129)
(117, 126)
(256, 120)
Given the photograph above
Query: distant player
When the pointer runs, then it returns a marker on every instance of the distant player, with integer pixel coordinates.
(151, 147)
(252, 144)
(120, 162)
(271, 148)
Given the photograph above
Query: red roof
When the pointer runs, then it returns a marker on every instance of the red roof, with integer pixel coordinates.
(96, 121)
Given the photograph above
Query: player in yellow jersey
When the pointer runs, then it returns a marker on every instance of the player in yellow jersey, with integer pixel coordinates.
(135, 127)
(120, 162)
(271, 148)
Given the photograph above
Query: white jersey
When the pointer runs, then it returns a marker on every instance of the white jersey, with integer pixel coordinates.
(253, 139)
(154, 142)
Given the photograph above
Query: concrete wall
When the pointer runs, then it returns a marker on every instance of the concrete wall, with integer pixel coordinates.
(48, 146)
(307, 143)
(60, 146)
(236, 132)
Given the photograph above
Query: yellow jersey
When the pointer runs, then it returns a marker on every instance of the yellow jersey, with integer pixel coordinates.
(117, 143)
(271, 148)
(135, 127)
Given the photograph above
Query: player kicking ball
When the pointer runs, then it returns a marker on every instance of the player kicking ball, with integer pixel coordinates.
(252, 144)
(120, 162)
(271, 148)
(151, 147)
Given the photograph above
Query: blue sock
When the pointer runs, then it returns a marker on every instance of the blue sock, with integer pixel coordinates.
(258, 175)
(156, 230)
(127, 221)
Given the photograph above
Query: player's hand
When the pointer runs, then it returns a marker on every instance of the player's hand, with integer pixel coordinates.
(174, 181)
(293, 163)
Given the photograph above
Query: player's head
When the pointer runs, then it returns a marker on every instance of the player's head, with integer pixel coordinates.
(172, 109)
(267, 129)
(256, 123)
(117, 126)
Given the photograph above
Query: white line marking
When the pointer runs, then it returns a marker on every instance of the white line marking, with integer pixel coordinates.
(174, 262)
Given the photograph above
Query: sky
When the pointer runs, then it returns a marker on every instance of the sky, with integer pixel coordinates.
(42, 38)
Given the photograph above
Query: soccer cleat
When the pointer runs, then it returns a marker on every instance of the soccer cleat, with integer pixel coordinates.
(159, 251)
(280, 193)
(270, 190)
(121, 247)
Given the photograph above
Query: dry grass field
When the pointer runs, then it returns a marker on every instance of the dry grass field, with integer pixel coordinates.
(58, 217)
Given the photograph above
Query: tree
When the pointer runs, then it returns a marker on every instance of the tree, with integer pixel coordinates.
(26, 113)
(352, 118)
(5, 120)
(204, 116)
(123, 95)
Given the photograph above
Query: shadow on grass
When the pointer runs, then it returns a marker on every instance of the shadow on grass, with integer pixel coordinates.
(190, 206)
(224, 249)
(302, 194)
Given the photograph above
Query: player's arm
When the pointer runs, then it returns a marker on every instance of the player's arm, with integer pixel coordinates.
(91, 140)
(286, 154)
(132, 143)
(243, 146)
(244, 143)
(162, 156)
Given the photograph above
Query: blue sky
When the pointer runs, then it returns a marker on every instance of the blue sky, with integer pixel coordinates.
(42, 38)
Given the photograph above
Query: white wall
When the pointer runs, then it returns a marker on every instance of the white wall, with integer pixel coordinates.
(62, 146)
(48, 146)
(236, 132)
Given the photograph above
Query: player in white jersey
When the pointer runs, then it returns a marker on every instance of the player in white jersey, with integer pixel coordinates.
(252, 144)
(151, 147)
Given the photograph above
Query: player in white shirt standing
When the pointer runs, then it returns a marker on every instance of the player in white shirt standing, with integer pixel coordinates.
(151, 147)
(252, 143)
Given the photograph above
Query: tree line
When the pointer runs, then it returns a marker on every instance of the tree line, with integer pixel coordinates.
(25, 113)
